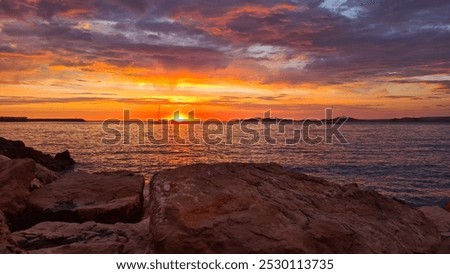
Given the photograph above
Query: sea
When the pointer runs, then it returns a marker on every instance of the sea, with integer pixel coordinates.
(408, 161)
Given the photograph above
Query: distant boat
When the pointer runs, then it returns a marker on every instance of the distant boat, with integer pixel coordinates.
(158, 120)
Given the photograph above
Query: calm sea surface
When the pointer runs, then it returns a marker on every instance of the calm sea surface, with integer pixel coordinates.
(407, 161)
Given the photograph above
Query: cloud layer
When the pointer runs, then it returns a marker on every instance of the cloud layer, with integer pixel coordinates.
(352, 52)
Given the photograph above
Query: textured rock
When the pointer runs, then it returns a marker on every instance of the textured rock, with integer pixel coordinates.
(264, 208)
(81, 197)
(18, 150)
(89, 237)
(45, 175)
(7, 244)
(439, 216)
(444, 247)
(447, 207)
(15, 178)
(3, 159)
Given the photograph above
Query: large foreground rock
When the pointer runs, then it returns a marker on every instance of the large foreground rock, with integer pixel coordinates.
(7, 244)
(15, 178)
(264, 208)
(89, 237)
(18, 150)
(81, 197)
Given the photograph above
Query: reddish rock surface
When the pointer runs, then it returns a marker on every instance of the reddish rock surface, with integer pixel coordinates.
(447, 207)
(3, 159)
(81, 197)
(45, 175)
(15, 178)
(89, 237)
(441, 218)
(264, 208)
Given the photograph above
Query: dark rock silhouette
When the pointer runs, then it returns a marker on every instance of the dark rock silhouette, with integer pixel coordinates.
(7, 244)
(17, 149)
(265, 208)
(64, 159)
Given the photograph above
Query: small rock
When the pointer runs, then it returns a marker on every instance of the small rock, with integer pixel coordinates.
(64, 159)
(166, 187)
(85, 238)
(82, 197)
(35, 184)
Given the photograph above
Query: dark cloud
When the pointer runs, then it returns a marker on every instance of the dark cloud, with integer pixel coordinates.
(357, 41)
(70, 63)
(409, 38)
(272, 98)
(9, 100)
(138, 5)
(402, 97)
(6, 49)
(14, 8)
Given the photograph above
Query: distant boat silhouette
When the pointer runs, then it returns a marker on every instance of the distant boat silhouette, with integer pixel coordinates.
(158, 120)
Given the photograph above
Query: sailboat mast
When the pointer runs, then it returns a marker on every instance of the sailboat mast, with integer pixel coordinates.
(159, 112)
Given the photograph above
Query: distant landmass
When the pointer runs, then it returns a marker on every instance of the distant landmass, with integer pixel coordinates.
(26, 119)
(442, 119)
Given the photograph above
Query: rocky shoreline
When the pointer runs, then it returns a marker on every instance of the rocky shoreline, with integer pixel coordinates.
(201, 208)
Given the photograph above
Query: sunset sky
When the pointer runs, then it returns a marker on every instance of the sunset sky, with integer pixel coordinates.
(224, 59)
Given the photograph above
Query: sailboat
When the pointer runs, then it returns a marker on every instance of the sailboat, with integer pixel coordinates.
(158, 120)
